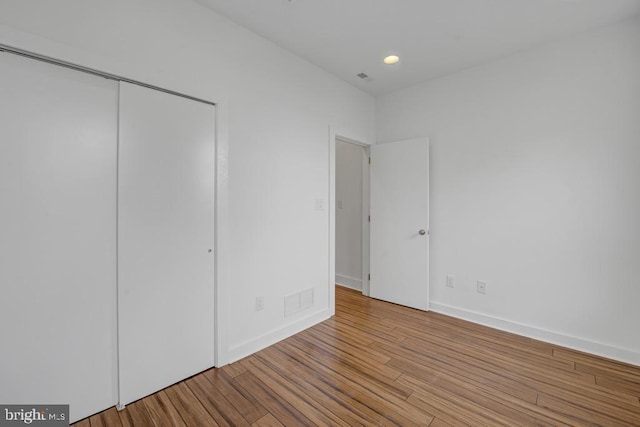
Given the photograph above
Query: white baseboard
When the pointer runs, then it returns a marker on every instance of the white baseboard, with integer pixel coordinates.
(581, 344)
(349, 282)
(247, 348)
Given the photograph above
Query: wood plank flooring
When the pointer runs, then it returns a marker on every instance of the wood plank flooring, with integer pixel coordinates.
(377, 363)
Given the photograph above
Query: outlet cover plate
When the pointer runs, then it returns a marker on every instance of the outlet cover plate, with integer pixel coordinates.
(482, 287)
(451, 281)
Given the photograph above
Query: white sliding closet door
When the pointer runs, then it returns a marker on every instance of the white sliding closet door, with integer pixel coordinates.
(58, 152)
(165, 239)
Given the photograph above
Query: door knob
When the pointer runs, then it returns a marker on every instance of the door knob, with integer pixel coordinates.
(422, 232)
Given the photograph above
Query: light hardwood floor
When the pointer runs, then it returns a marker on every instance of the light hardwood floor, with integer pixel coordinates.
(377, 363)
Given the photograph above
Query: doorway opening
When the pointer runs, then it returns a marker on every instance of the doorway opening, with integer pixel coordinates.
(352, 214)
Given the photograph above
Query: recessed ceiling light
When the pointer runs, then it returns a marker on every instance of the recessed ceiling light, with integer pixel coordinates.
(391, 59)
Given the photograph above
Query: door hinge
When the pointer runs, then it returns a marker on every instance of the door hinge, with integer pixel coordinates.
(369, 218)
(369, 160)
(369, 276)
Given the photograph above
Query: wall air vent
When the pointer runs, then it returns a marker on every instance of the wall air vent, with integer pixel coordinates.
(297, 302)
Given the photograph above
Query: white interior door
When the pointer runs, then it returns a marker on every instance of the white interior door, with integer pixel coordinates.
(399, 179)
(165, 239)
(58, 153)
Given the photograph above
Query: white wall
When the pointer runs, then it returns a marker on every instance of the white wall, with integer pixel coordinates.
(349, 158)
(277, 110)
(535, 173)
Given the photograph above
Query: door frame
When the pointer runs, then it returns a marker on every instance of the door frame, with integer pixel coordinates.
(332, 214)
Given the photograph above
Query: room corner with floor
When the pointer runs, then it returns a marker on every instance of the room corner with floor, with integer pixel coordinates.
(377, 363)
(220, 212)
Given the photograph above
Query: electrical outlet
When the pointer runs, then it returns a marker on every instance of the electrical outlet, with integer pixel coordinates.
(482, 287)
(259, 303)
(451, 281)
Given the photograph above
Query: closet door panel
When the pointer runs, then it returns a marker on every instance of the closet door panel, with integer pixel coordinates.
(165, 239)
(58, 153)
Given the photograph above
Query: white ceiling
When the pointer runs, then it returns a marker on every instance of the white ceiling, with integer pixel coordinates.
(432, 37)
